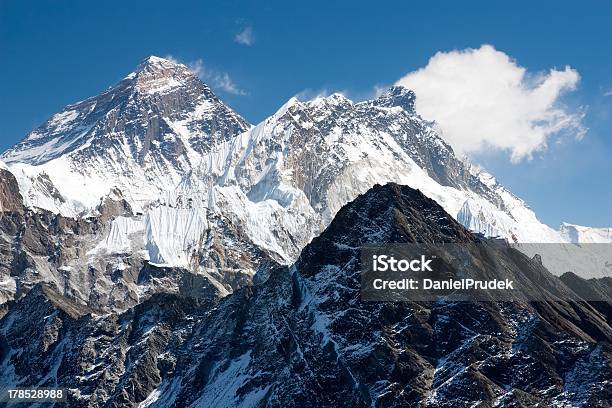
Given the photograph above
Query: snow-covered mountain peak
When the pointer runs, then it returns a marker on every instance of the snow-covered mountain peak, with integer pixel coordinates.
(155, 62)
(313, 157)
(322, 107)
(158, 75)
(142, 136)
(335, 99)
(291, 103)
(397, 96)
(159, 102)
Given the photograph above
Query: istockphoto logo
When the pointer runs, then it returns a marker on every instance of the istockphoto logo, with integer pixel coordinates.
(487, 271)
(383, 263)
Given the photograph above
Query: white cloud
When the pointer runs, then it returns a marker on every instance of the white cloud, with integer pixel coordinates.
(246, 36)
(482, 99)
(309, 94)
(608, 92)
(215, 79)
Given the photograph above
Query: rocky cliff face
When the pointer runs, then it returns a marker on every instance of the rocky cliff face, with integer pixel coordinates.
(11, 200)
(303, 337)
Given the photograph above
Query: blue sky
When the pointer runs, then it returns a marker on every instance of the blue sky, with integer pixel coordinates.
(258, 54)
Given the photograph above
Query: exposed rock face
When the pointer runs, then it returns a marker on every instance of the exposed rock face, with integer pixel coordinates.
(10, 197)
(303, 337)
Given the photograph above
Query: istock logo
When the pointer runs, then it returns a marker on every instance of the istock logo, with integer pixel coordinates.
(383, 263)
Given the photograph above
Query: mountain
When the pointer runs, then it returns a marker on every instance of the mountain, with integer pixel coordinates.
(161, 133)
(304, 337)
(156, 181)
(326, 152)
(140, 136)
(158, 250)
(158, 173)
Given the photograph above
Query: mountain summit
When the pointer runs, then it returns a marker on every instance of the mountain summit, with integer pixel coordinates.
(141, 135)
(397, 96)
(149, 110)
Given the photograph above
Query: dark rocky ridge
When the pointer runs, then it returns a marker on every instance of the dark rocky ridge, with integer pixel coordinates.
(304, 338)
